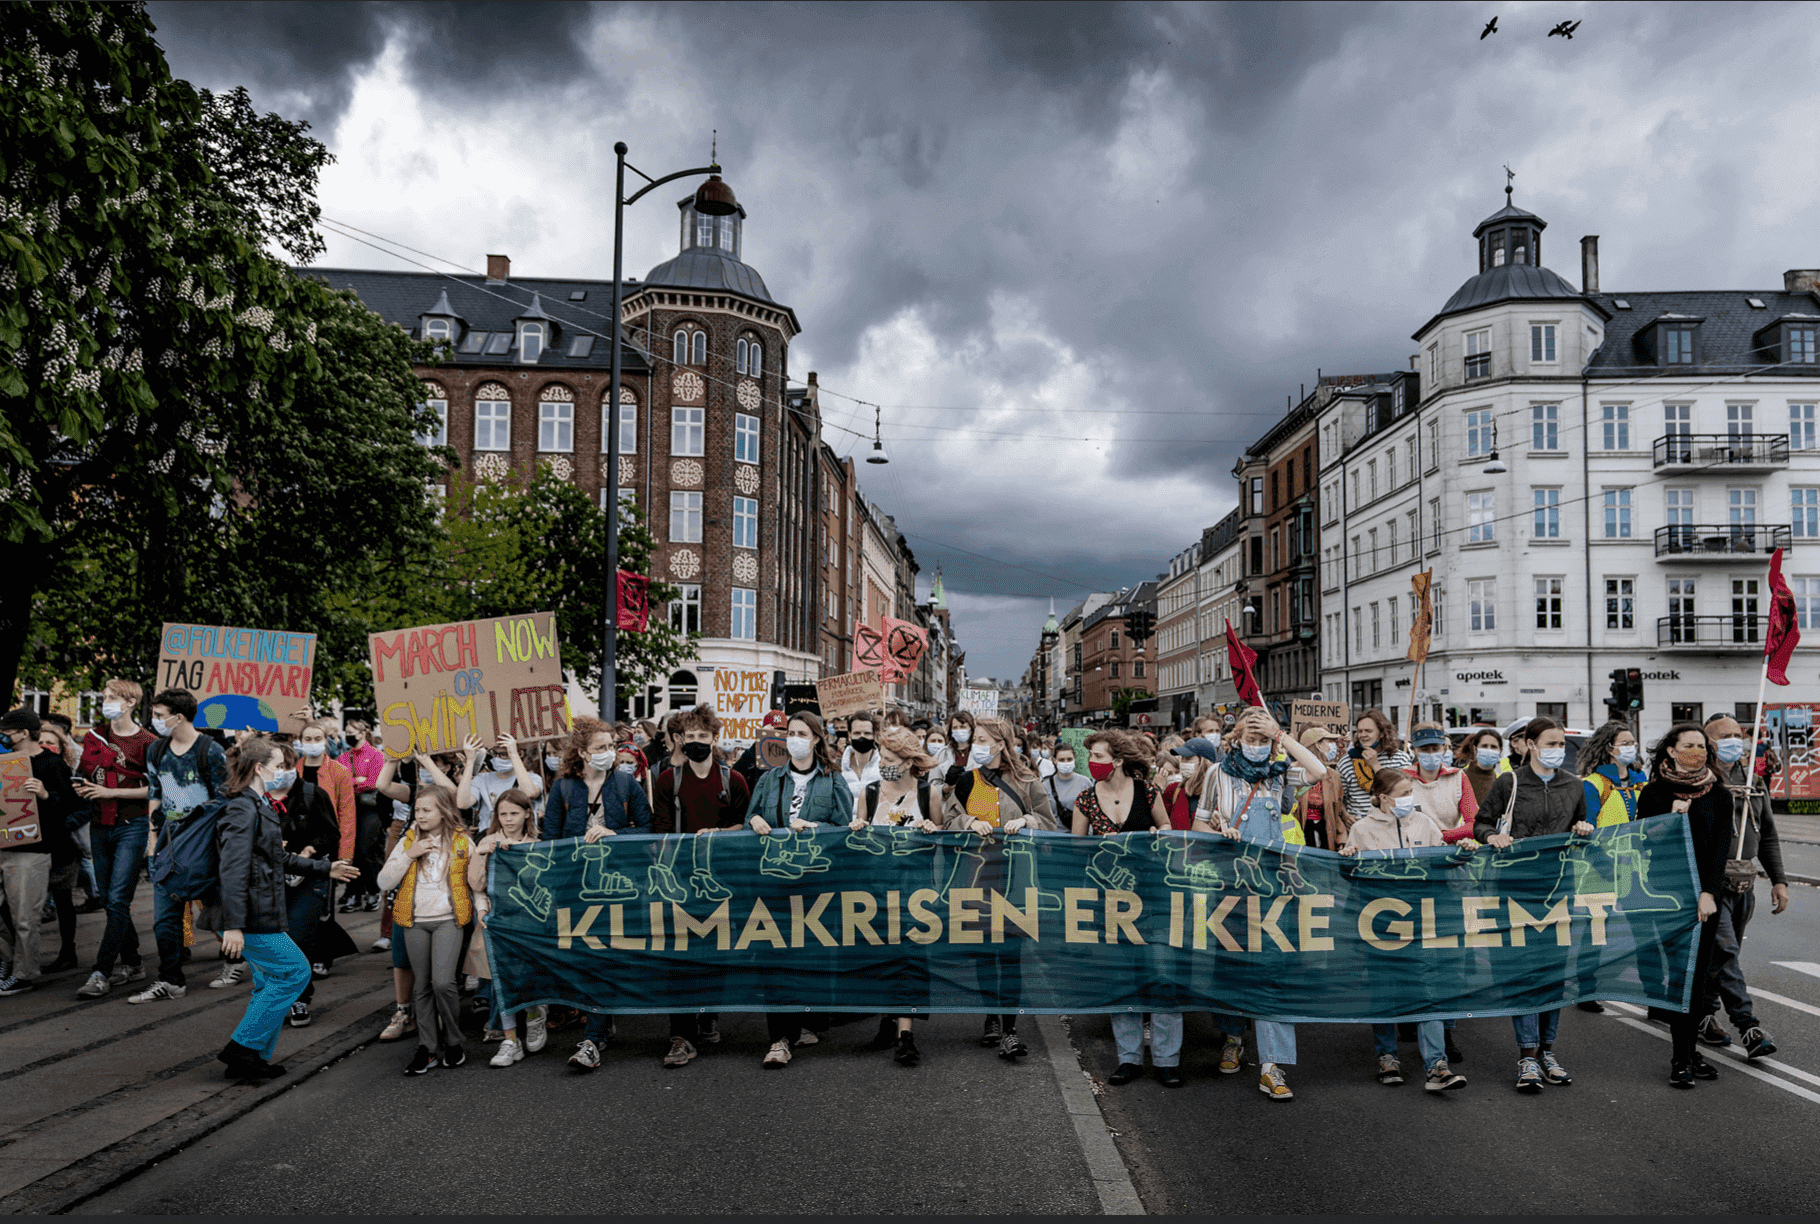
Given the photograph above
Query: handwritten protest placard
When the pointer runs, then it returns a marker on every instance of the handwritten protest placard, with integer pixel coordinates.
(741, 699)
(18, 810)
(1334, 715)
(980, 702)
(850, 693)
(435, 685)
(253, 679)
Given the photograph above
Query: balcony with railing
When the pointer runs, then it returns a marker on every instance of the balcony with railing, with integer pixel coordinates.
(1743, 631)
(1719, 541)
(1721, 452)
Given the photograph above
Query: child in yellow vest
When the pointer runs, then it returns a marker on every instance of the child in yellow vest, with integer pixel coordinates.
(429, 868)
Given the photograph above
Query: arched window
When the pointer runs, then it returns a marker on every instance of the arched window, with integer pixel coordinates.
(437, 329)
(679, 347)
(682, 689)
(530, 342)
(628, 423)
(755, 359)
(739, 361)
(701, 348)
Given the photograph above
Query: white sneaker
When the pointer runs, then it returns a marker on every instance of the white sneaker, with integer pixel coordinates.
(157, 991)
(469, 985)
(123, 974)
(94, 988)
(382, 944)
(232, 974)
(509, 1052)
(536, 1030)
(805, 1038)
(586, 1056)
(779, 1055)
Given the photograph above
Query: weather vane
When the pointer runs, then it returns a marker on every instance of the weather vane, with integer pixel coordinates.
(1510, 176)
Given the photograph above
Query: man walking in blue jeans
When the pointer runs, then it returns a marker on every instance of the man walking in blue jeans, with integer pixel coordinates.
(185, 769)
(113, 780)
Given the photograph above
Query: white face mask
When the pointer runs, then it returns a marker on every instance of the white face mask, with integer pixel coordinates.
(801, 747)
(1064, 767)
(502, 765)
(935, 747)
(962, 735)
(309, 750)
(160, 726)
(980, 756)
(1627, 754)
(1402, 807)
(111, 710)
(602, 761)
(554, 762)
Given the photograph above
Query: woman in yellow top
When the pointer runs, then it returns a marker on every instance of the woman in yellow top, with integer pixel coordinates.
(429, 868)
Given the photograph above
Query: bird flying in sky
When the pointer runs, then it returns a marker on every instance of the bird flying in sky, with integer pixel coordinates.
(1491, 27)
(1565, 29)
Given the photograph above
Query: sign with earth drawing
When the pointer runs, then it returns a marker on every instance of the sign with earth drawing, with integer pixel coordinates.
(242, 679)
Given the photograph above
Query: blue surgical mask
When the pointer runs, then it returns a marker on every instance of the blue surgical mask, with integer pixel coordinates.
(1431, 761)
(629, 768)
(1064, 767)
(1488, 758)
(1627, 755)
(160, 727)
(1731, 748)
(1257, 754)
(309, 750)
(961, 735)
(980, 756)
(111, 710)
(553, 762)
(1404, 806)
(502, 765)
(282, 781)
(1551, 758)
(1330, 750)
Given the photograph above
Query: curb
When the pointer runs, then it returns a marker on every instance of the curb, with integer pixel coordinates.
(1104, 1164)
(1797, 878)
(101, 1171)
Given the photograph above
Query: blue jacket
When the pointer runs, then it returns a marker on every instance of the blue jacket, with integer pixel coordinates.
(623, 807)
(829, 800)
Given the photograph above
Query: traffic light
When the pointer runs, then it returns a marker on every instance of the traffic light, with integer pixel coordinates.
(1139, 624)
(1626, 690)
(1633, 682)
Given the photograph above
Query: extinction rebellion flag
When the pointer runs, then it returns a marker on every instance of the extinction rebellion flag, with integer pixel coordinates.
(1241, 657)
(1784, 626)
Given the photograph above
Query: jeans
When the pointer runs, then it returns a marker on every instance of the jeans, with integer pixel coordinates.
(167, 930)
(600, 1027)
(280, 974)
(25, 876)
(1537, 1028)
(1165, 1038)
(86, 864)
(306, 906)
(119, 856)
(1724, 982)
(1431, 1037)
(369, 833)
(1276, 1041)
(435, 950)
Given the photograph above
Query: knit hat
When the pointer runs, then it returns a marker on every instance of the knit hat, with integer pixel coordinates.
(22, 719)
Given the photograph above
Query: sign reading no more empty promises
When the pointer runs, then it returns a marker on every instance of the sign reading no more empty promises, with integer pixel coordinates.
(435, 685)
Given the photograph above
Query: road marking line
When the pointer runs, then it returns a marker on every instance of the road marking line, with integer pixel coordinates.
(1758, 992)
(1634, 1010)
(1807, 967)
(1111, 1179)
(1745, 1067)
(1783, 1067)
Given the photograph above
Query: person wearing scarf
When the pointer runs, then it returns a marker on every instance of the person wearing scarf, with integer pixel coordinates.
(1682, 782)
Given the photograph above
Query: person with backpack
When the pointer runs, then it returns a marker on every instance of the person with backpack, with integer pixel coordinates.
(185, 772)
(1066, 783)
(112, 778)
(306, 817)
(253, 865)
(25, 870)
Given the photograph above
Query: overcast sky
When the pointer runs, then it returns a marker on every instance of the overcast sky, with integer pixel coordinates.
(1079, 253)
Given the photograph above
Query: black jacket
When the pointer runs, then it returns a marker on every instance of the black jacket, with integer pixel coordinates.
(1542, 807)
(254, 863)
(1709, 817)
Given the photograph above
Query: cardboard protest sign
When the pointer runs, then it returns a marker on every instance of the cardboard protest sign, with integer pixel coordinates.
(802, 697)
(850, 693)
(905, 642)
(741, 698)
(252, 679)
(1334, 715)
(438, 684)
(18, 810)
(980, 702)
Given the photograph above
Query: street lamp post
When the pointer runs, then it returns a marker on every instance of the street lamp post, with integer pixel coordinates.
(713, 199)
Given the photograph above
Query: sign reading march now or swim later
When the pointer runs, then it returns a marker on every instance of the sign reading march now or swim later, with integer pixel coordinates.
(438, 684)
(18, 810)
(253, 679)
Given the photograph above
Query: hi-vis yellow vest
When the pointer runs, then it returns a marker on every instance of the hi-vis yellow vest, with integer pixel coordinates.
(1617, 803)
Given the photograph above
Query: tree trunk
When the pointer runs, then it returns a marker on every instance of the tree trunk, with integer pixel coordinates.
(26, 563)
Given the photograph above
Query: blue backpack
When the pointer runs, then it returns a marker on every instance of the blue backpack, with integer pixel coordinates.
(187, 864)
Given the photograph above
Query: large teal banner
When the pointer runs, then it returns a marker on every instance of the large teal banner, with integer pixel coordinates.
(911, 923)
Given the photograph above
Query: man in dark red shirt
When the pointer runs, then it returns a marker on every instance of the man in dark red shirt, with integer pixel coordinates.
(112, 776)
(703, 796)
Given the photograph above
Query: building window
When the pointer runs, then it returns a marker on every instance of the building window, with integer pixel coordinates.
(679, 347)
(439, 435)
(1801, 345)
(685, 518)
(530, 342)
(685, 612)
(1356, 499)
(1805, 513)
(1620, 603)
(687, 427)
(1115, 639)
(1438, 603)
(1434, 443)
(1746, 625)
(1801, 427)
(699, 343)
(1358, 632)
(1677, 346)
(704, 231)
(1480, 432)
(1807, 601)
(1548, 603)
(1373, 536)
(1742, 506)
(1414, 451)
(1478, 354)
(726, 234)
(1480, 517)
(1544, 427)
(1617, 514)
(628, 425)
(1481, 604)
(492, 424)
(1617, 426)
(739, 355)
(1115, 669)
(1391, 532)
(1739, 421)
(745, 614)
(745, 522)
(1376, 627)
(437, 329)
(1257, 495)
(1434, 363)
(1395, 627)
(1681, 625)
(755, 359)
(556, 426)
(1542, 342)
(745, 438)
(1371, 478)
(1434, 520)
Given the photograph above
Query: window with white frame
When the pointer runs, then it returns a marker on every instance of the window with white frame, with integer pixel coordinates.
(1396, 628)
(530, 342)
(1547, 512)
(492, 420)
(1544, 427)
(699, 346)
(1415, 534)
(628, 424)
(1616, 423)
(439, 435)
(745, 522)
(1413, 448)
(1548, 603)
(687, 431)
(1437, 601)
(1358, 632)
(1390, 468)
(1617, 514)
(1804, 513)
(1542, 342)
(1434, 364)
(1681, 623)
(1371, 477)
(1620, 604)
(739, 355)
(685, 518)
(1434, 522)
(438, 329)
(1478, 354)
(1739, 421)
(556, 420)
(726, 234)
(685, 611)
(745, 438)
(1801, 427)
(755, 359)
(1372, 536)
(1482, 604)
(1480, 432)
(1807, 601)
(1391, 534)
(1355, 489)
(1742, 506)
(704, 231)
(1358, 558)
(1481, 517)
(1376, 627)
(745, 614)
(627, 497)
(1434, 443)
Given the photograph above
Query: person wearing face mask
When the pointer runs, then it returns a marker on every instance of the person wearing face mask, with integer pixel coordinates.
(859, 761)
(791, 804)
(503, 770)
(960, 744)
(1683, 779)
(306, 817)
(112, 777)
(1441, 791)
(1253, 800)
(1537, 800)
(255, 911)
(1482, 760)
(1066, 783)
(1753, 839)
(1323, 813)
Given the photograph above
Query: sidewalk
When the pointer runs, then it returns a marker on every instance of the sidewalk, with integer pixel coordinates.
(91, 1090)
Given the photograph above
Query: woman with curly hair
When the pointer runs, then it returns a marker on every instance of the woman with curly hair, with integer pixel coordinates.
(1608, 763)
(1375, 746)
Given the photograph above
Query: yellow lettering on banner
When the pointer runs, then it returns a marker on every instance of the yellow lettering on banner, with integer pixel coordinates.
(1430, 939)
(1258, 924)
(1175, 919)
(811, 921)
(1028, 920)
(894, 925)
(1481, 932)
(959, 915)
(657, 926)
(566, 934)
(1307, 922)
(1122, 910)
(1521, 918)
(921, 913)
(1073, 915)
(1403, 931)
(857, 910)
(1216, 923)
(760, 927)
(1595, 905)
(617, 933)
(718, 924)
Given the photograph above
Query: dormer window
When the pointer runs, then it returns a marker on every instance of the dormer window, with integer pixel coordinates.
(530, 342)
(1801, 345)
(1677, 346)
(438, 329)
(1497, 248)
(704, 231)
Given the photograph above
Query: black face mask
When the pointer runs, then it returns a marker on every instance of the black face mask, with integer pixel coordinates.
(862, 745)
(698, 752)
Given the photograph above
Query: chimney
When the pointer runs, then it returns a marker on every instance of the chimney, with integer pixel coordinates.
(1589, 264)
(1801, 280)
(811, 378)
(1412, 360)
(499, 269)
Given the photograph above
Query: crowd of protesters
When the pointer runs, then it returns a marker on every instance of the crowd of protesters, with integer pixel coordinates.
(296, 813)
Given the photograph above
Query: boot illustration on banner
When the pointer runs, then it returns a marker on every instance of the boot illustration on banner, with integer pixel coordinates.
(528, 892)
(598, 883)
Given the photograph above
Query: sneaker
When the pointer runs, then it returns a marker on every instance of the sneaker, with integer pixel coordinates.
(402, 1022)
(1272, 1084)
(1124, 1074)
(1169, 1077)
(537, 1030)
(1703, 1069)
(681, 1053)
(1757, 1043)
(453, 1056)
(808, 1038)
(232, 974)
(300, 1015)
(509, 1052)
(371, 905)
(1681, 1075)
(1712, 1033)
(421, 1060)
(1529, 1075)
(94, 988)
(1390, 1071)
(469, 985)
(1010, 1048)
(1232, 1056)
(157, 991)
(778, 1056)
(1441, 1078)
(1453, 1052)
(382, 944)
(991, 1035)
(886, 1037)
(1553, 1071)
(586, 1056)
(349, 904)
(907, 1053)
(10, 985)
(492, 1035)
(708, 1033)
(318, 969)
(123, 974)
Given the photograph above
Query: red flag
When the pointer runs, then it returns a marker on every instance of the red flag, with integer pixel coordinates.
(1784, 626)
(1241, 657)
(634, 601)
